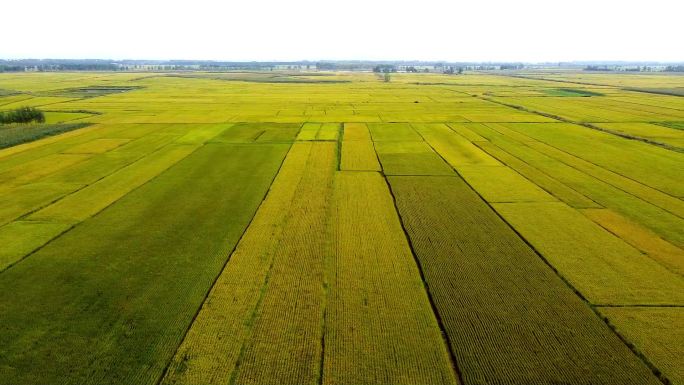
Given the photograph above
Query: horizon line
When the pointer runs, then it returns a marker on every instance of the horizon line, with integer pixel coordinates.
(593, 61)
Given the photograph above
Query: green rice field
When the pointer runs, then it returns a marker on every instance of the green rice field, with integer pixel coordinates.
(335, 228)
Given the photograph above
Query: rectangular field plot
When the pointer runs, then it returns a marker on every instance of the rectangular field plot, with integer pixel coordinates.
(410, 158)
(35, 170)
(655, 210)
(388, 132)
(358, 155)
(629, 158)
(358, 151)
(259, 132)
(125, 285)
(604, 268)
(20, 238)
(61, 117)
(201, 133)
(454, 148)
(650, 131)
(96, 146)
(508, 317)
(134, 131)
(18, 201)
(329, 131)
(146, 144)
(667, 254)
(640, 190)
(356, 131)
(593, 109)
(319, 131)
(502, 184)
(656, 332)
(94, 168)
(92, 199)
(548, 183)
(309, 131)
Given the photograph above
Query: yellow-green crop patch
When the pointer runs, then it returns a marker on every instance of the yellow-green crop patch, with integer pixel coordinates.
(90, 200)
(356, 131)
(393, 132)
(631, 159)
(658, 333)
(604, 268)
(96, 146)
(454, 148)
(20, 238)
(61, 117)
(259, 132)
(358, 155)
(22, 200)
(548, 183)
(502, 184)
(636, 201)
(319, 131)
(410, 158)
(667, 254)
(655, 132)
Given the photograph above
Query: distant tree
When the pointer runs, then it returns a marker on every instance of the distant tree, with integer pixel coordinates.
(11, 68)
(387, 77)
(384, 68)
(22, 115)
(674, 68)
(597, 68)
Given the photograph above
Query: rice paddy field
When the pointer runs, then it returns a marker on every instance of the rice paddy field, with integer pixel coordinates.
(334, 228)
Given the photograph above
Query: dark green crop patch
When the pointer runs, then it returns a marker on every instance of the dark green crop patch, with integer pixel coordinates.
(92, 91)
(18, 134)
(569, 92)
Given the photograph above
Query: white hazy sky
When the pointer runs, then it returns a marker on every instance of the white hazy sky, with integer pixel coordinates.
(456, 30)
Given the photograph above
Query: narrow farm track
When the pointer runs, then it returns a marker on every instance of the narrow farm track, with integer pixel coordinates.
(334, 229)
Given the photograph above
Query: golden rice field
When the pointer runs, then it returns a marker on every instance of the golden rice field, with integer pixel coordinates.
(476, 229)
